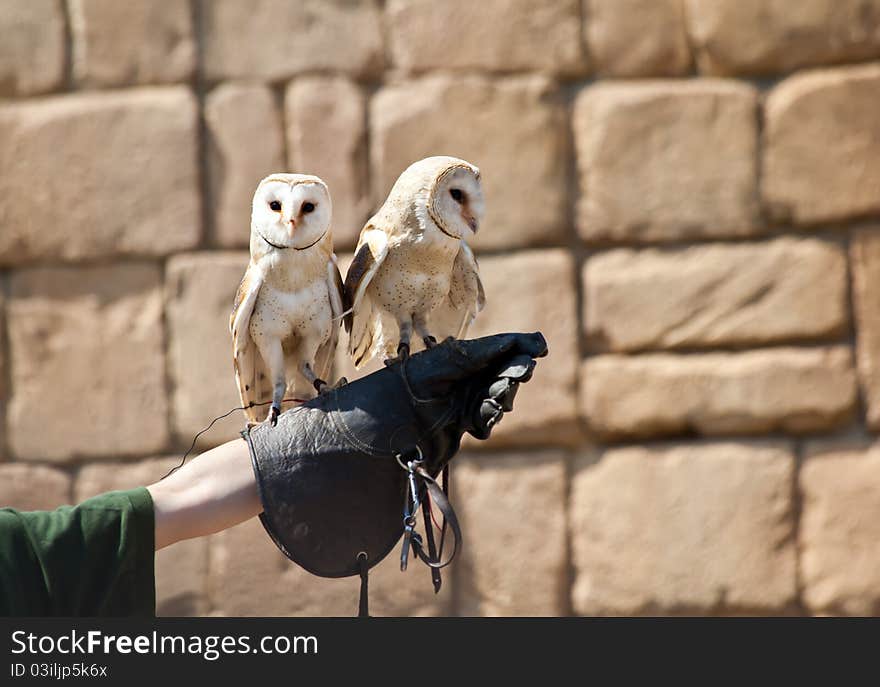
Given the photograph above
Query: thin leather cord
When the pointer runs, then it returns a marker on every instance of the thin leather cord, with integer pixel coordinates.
(405, 377)
(220, 417)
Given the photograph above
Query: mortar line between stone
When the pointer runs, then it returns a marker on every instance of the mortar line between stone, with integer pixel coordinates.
(197, 83)
(68, 81)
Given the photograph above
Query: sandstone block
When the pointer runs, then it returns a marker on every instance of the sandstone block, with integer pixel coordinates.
(630, 136)
(767, 37)
(788, 389)
(512, 512)
(199, 292)
(715, 295)
(122, 43)
(181, 569)
(461, 116)
(696, 529)
(250, 577)
(276, 39)
(118, 168)
(88, 375)
(32, 55)
(822, 146)
(407, 594)
(865, 258)
(237, 158)
(33, 487)
(526, 292)
(326, 135)
(636, 37)
(840, 561)
(493, 35)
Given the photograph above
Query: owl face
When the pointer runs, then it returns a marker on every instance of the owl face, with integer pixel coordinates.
(291, 211)
(456, 200)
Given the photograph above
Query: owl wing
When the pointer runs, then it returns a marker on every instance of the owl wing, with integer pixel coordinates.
(251, 374)
(465, 299)
(364, 324)
(336, 290)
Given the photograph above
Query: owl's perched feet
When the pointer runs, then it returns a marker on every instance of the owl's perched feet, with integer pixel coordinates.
(402, 354)
(274, 412)
(429, 341)
(323, 387)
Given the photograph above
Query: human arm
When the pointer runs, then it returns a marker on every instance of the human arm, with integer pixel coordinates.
(214, 491)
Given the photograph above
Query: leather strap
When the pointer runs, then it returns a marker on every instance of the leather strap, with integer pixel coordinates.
(439, 498)
(446, 492)
(363, 603)
(432, 547)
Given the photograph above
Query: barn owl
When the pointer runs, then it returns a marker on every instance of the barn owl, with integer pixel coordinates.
(285, 319)
(413, 267)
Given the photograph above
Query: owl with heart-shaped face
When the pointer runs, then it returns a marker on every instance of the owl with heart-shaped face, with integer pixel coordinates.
(287, 311)
(413, 268)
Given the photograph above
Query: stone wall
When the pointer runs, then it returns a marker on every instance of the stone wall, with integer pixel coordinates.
(683, 195)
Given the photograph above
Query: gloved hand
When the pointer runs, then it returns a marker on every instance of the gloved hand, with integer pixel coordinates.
(330, 473)
(477, 378)
(481, 376)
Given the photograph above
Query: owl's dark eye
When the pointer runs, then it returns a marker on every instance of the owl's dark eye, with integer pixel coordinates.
(307, 208)
(456, 194)
(275, 205)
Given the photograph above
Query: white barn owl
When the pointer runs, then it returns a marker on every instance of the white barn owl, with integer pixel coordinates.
(413, 268)
(285, 319)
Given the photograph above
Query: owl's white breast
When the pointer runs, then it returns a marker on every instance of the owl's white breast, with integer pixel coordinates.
(294, 299)
(416, 274)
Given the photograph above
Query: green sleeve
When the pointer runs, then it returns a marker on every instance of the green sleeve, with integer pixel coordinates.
(94, 559)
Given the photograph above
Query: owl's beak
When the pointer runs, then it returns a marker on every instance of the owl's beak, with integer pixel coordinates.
(471, 222)
(292, 227)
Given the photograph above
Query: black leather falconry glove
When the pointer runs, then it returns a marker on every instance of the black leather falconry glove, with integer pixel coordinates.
(341, 476)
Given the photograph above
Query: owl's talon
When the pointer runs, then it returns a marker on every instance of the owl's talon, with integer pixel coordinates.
(274, 412)
(326, 387)
(429, 341)
(402, 355)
